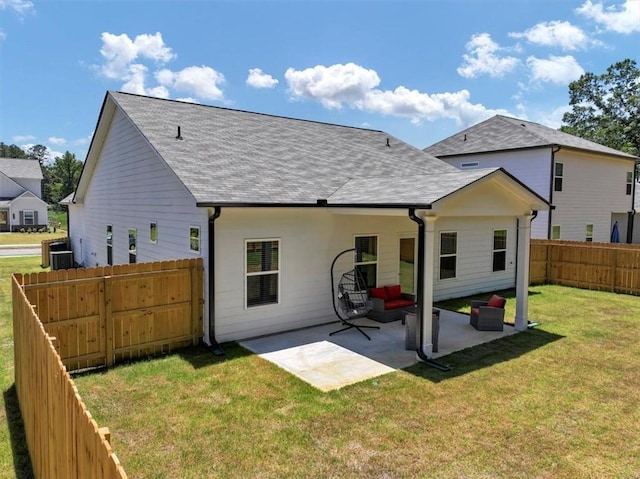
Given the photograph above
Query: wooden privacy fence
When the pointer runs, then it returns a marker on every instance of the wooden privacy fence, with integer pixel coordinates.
(46, 250)
(600, 266)
(63, 439)
(106, 314)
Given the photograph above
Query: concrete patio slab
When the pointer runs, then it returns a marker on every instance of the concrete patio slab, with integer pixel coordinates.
(331, 362)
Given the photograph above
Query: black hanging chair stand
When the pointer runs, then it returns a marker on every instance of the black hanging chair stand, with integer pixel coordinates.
(353, 298)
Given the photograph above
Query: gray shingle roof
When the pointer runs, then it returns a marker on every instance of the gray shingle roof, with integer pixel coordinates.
(231, 156)
(414, 190)
(21, 168)
(501, 133)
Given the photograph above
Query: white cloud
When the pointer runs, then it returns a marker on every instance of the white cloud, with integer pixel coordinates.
(56, 141)
(559, 70)
(3, 35)
(620, 19)
(22, 138)
(258, 79)
(21, 7)
(482, 58)
(332, 85)
(200, 81)
(187, 99)
(556, 33)
(553, 119)
(131, 62)
(120, 52)
(83, 141)
(354, 86)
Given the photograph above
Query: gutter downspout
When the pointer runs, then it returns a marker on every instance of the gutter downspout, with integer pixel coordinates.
(419, 294)
(631, 214)
(551, 186)
(211, 330)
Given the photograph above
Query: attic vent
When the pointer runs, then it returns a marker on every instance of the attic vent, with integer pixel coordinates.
(388, 145)
(179, 136)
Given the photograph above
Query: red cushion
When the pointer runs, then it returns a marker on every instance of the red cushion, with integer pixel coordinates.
(496, 301)
(475, 311)
(394, 292)
(379, 293)
(398, 303)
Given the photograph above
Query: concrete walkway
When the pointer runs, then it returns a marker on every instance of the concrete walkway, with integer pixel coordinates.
(331, 362)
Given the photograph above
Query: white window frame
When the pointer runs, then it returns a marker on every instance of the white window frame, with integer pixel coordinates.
(553, 227)
(262, 273)
(191, 238)
(588, 236)
(629, 182)
(557, 176)
(109, 230)
(447, 255)
(363, 263)
(499, 250)
(153, 225)
(468, 165)
(33, 217)
(132, 256)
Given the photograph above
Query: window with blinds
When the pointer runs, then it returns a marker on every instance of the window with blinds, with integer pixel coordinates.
(262, 272)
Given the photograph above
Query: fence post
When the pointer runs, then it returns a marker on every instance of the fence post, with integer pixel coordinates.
(613, 270)
(108, 319)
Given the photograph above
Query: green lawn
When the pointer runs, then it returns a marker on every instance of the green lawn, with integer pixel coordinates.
(559, 401)
(28, 238)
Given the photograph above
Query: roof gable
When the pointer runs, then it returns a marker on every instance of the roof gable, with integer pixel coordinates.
(501, 133)
(226, 156)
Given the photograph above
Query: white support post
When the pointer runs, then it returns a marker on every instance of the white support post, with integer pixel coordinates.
(522, 278)
(427, 293)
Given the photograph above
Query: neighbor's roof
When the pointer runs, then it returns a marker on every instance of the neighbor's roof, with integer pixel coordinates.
(229, 156)
(21, 168)
(501, 133)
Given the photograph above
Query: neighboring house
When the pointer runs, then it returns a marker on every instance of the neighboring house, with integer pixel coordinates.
(589, 186)
(21, 206)
(269, 202)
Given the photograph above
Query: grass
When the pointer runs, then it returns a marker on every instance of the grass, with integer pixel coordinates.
(24, 239)
(559, 401)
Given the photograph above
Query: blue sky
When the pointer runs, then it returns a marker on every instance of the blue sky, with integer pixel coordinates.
(419, 70)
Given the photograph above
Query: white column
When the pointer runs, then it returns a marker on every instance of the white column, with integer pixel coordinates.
(427, 293)
(522, 278)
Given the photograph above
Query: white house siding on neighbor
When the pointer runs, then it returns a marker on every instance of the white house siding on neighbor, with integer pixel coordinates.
(9, 188)
(580, 202)
(532, 167)
(30, 202)
(593, 189)
(309, 241)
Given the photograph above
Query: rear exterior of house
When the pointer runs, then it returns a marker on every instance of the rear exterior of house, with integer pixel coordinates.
(267, 263)
(589, 186)
(21, 206)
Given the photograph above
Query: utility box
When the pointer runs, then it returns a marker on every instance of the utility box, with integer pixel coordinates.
(61, 260)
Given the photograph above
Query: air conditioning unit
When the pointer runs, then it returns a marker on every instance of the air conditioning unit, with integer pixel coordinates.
(61, 260)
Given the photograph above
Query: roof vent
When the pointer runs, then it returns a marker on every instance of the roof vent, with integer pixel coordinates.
(522, 124)
(465, 137)
(388, 145)
(179, 136)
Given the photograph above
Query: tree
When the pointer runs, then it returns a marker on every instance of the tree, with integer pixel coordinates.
(39, 152)
(64, 174)
(606, 107)
(11, 151)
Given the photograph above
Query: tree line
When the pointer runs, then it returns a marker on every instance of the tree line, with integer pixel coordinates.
(60, 177)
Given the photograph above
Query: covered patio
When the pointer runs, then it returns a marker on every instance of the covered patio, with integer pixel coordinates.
(331, 362)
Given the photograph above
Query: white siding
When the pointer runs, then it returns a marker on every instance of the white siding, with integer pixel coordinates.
(532, 167)
(131, 187)
(309, 241)
(593, 189)
(34, 186)
(474, 263)
(9, 188)
(28, 203)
